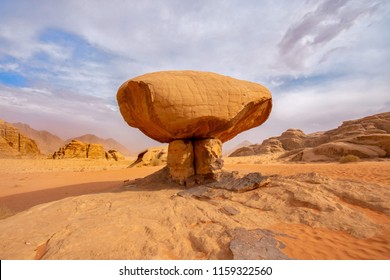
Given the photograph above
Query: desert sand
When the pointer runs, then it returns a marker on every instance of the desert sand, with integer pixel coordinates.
(85, 209)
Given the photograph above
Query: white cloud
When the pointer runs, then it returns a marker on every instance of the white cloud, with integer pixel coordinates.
(340, 46)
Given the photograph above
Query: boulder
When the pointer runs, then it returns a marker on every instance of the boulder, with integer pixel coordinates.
(173, 105)
(151, 157)
(115, 155)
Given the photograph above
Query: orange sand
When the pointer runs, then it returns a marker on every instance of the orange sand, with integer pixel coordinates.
(306, 243)
(30, 184)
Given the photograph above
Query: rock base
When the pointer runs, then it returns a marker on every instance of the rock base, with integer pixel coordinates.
(195, 161)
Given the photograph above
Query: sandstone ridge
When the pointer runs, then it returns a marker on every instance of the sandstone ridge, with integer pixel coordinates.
(367, 137)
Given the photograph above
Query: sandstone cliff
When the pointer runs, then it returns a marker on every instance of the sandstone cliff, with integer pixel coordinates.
(15, 144)
(78, 149)
(367, 137)
(47, 142)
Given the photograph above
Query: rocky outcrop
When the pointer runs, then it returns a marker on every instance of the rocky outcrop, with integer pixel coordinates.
(47, 142)
(74, 149)
(203, 108)
(108, 144)
(115, 155)
(368, 137)
(15, 144)
(151, 157)
(78, 149)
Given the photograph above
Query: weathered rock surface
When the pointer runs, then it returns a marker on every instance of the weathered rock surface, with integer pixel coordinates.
(258, 244)
(15, 144)
(78, 149)
(151, 221)
(173, 105)
(115, 155)
(181, 160)
(208, 158)
(368, 137)
(151, 157)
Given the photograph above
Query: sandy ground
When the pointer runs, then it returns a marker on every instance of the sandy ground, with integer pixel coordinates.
(26, 183)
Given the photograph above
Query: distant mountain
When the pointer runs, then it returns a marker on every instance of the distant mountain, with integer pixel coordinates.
(108, 144)
(47, 142)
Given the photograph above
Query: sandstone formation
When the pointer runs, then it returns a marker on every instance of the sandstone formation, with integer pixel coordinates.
(78, 149)
(96, 151)
(173, 105)
(151, 157)
(47, 142)
(208, 158)
(74, 149)
(202, 107)
(108, 144)
(181, 160)
(15, 144)
(368, 137)
(115, 155)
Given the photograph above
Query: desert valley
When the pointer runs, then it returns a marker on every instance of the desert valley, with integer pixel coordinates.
(323, 195)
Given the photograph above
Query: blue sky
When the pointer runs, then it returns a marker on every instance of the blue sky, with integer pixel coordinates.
(61, 62)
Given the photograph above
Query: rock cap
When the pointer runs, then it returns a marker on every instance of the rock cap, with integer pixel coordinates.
(172, 105)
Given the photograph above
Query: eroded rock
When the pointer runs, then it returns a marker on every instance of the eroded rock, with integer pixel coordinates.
(78, 149)
(195, 112)
(151, 157)
(258, 244)
(15, 144)
(115, 155)
(173, 105)
(181, 160)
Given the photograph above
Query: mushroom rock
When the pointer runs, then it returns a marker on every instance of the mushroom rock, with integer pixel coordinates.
(193, 106)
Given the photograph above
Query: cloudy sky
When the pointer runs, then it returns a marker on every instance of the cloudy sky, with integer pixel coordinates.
(61, 62)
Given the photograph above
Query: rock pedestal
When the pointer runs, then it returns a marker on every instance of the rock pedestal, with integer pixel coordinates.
(180, 160)
(202, 158)
(208, 158)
